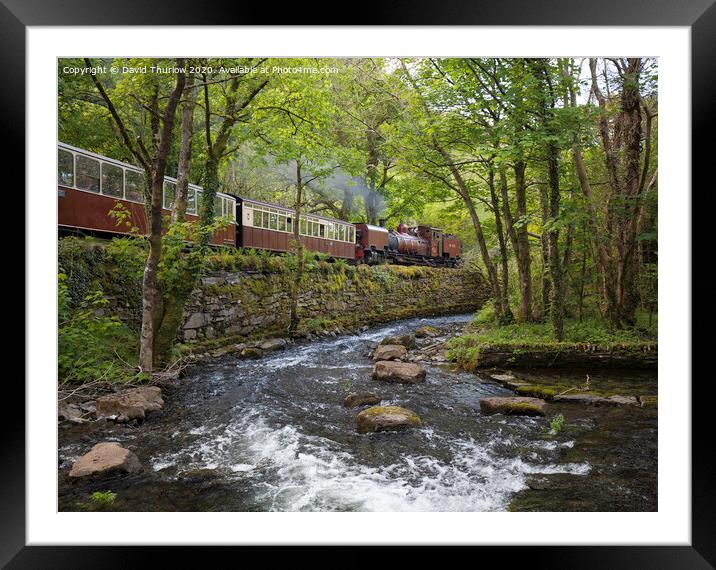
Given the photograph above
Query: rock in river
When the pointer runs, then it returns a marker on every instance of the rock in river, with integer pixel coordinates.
(382, 418)
(514, 405)
(406, 340)
(427, 331)
(361, 399)
(251, 352)
(402, 372)
(273, 344)
(131, 404)
(70, 412)
(389, 352)
(105, 458)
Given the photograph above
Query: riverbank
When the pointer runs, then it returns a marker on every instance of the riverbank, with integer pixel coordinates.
(588, 344)
(273, 434)
(242, 299)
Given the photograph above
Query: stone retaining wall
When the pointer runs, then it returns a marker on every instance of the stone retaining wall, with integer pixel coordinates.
(233, 304)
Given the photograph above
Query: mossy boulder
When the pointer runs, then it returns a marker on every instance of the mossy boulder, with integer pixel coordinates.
(590, 399)
(513, 406)
(427, 332)
(386, 418)
(535, 390)
(406, 340)
(273, 344)
(389, 352)
(400, 372)
(251, 352)
(649, 401)
(361, 399)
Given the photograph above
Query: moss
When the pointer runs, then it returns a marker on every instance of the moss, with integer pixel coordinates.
(537, 391)
(649, 401)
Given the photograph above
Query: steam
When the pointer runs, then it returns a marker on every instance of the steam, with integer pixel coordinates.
(263, 178)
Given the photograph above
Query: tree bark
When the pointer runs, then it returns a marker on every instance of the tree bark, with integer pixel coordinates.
(150, 290)
(187, 132)
(500, 234)
(293, 320)
(556, 306)
(189, 266)
(544, 243)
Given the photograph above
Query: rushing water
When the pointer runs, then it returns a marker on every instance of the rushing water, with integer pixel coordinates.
(272, 435)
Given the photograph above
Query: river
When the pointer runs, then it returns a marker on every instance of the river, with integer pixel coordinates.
(272, 435)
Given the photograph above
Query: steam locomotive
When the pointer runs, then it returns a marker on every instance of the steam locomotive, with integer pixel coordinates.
(420, 245)
(90, 185)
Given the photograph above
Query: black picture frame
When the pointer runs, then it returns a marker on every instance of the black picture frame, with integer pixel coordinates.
(699, 15)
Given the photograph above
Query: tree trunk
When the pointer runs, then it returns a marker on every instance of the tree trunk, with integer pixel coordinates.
(627, 292)
(189, 266)
(556, 309)
(298, 248)
(519, 238)
(524, 260)
(502, 304)
(544, 241)
(371, 169)
(500, 234)
(187, 131)
(150, 290)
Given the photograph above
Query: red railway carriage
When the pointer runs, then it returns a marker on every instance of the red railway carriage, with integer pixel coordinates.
(90, 185)
(270, 226)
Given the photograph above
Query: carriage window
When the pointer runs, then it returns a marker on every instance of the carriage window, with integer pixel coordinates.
(134, 186)
(351, 234)
(342, 233)
(322, 230)
(289, 225)
(282, 223)
(191, 201)
(65, 168)
(218, 213)
(87, 170)
(273, 221)
(231, 209)
(169, 193)
(112, 180)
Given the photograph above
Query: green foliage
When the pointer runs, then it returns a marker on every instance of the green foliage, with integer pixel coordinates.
(556, 424)
(590, 334)
(486, 315)
(98, 501)
(92, 345)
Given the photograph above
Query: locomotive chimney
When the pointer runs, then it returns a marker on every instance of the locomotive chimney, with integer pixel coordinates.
(381, 222)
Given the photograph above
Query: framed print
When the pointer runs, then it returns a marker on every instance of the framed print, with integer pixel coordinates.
(393, 283)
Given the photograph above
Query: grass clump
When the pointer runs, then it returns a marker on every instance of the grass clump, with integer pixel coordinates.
(556, 424)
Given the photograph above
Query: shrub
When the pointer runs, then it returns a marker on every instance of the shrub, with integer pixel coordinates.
(92, 345)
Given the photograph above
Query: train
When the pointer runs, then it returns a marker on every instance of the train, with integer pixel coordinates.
(89, 185)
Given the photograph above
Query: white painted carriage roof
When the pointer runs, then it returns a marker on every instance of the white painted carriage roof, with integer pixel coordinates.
(290, 210)
(128, 166)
